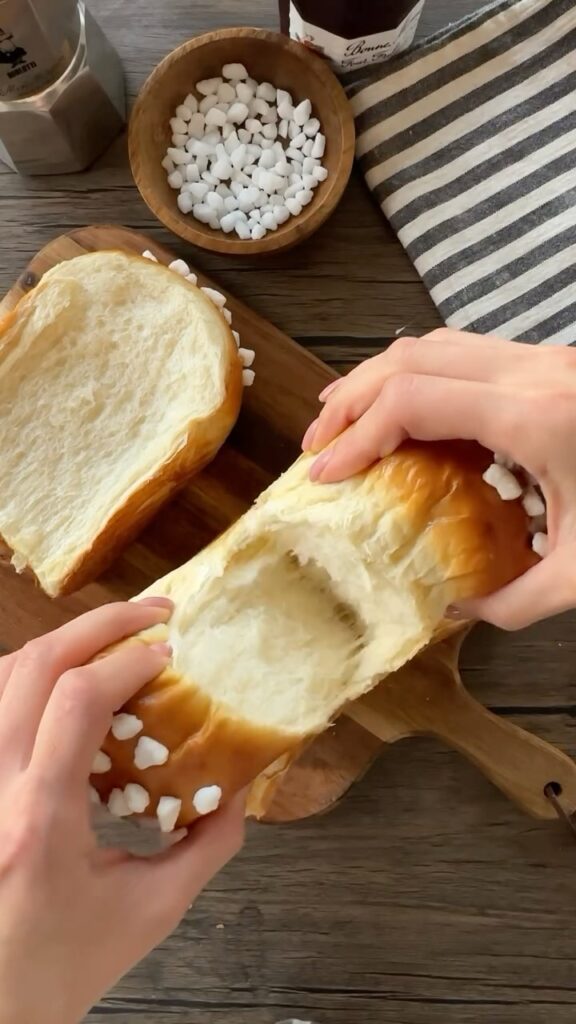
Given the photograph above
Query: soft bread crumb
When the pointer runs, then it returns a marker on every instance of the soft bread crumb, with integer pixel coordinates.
(301, 582)
(247, 355)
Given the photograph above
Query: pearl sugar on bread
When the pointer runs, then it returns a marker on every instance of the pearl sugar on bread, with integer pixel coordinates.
(247, 355)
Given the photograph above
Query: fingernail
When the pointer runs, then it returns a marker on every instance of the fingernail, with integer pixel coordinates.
(319, 465)
(452, 612)
(164, 649)
(309, 436)
(328, 391)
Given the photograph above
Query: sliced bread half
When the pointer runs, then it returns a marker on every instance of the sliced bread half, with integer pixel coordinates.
(118, 380)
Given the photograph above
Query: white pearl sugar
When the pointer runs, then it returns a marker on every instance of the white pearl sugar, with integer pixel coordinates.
(101, 763)
(501, 474)
(503, 481)
(246, 156)
(533, 504)
(125, 727)
(150, 752)
(207, 799)
(137, 798)
(117, 804)
(167, 812)
(540, 544)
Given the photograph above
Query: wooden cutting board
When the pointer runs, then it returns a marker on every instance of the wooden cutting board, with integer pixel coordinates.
(427, 697)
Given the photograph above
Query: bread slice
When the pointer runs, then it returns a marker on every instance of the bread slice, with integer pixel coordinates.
(311, 598)
(118, 380)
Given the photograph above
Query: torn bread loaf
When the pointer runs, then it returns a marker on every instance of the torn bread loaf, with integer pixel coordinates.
(118, 381)
(303, 605)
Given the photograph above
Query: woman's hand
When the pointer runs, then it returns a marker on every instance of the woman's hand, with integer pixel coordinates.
(74, 917)
(515, 399)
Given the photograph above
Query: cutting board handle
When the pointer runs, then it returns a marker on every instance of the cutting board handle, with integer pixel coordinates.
(428, 699)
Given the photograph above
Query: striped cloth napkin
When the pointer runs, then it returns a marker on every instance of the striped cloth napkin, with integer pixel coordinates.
(468, 144)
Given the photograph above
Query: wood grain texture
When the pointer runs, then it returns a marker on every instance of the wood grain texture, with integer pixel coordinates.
(425, 897)
(424, 698)
(269, 57)
(427, 698)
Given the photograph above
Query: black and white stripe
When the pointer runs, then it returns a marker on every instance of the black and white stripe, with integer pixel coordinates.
(469, 146)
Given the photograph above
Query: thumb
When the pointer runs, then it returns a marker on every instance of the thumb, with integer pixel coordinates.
(176, 876)
(545, 590)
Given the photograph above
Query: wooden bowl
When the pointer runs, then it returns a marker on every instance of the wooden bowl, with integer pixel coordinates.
(269, 57)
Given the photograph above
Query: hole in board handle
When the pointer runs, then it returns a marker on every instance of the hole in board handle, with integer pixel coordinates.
(553, 789)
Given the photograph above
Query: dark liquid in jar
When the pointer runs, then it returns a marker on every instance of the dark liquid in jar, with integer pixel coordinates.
(362, 32)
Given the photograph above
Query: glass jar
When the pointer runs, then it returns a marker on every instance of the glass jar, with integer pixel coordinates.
(352, 34)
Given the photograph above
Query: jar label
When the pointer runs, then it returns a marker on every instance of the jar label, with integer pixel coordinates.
(348, 54)
(28, 60)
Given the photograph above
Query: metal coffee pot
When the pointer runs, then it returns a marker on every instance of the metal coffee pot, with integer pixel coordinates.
(62, 98)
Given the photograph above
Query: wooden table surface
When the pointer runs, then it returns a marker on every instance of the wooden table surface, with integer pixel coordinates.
(425, 898)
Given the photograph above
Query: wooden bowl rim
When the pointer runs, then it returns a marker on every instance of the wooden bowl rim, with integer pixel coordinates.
(294, 230)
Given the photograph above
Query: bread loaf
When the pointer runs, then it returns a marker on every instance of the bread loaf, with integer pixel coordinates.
(304, 604)
(118, 380)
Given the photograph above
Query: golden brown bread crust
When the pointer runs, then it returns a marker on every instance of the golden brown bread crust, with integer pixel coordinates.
(7, 321)
(207, 745)
(479, 539)
(206, 436)
(481, 543)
